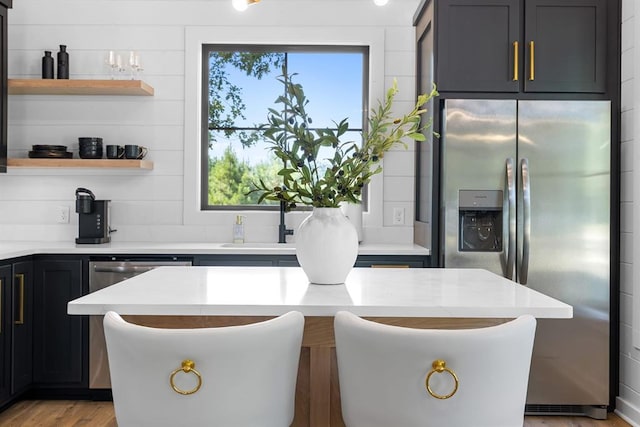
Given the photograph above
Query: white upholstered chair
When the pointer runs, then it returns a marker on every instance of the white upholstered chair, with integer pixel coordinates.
(228, 376)
(384, 372)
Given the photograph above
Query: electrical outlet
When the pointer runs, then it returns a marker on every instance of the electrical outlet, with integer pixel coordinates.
(62, 214)
(398, 216)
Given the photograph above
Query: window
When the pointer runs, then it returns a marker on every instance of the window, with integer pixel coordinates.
(239, 85)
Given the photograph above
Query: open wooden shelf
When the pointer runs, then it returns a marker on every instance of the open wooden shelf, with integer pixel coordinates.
(79, 87)
(80, 163)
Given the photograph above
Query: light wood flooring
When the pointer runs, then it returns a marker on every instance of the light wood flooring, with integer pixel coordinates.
(75, 413)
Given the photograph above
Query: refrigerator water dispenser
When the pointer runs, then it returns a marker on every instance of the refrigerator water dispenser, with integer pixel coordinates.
(480, 220)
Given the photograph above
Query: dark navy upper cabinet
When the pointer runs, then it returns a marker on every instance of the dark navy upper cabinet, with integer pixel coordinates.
(566, 46)
(474, 41)
(521, 45)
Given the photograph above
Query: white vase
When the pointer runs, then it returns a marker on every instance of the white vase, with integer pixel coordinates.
(353, 212)
(326, 246)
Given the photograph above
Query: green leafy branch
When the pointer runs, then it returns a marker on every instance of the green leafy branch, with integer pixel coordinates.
(305, 178)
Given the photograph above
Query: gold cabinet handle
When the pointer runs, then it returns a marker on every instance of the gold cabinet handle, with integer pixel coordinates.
(531, 60)
(515, 61)
(20, 320)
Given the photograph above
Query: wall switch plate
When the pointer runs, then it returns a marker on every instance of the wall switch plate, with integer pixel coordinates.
(62, 214)
(398, 216)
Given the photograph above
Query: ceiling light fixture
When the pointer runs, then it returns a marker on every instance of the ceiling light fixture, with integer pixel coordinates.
(242, 5)
(380, 2)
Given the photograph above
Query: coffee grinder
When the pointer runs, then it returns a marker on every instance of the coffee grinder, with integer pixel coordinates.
(93, 225)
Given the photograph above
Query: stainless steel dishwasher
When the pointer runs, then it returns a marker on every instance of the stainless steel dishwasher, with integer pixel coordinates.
(101, 275)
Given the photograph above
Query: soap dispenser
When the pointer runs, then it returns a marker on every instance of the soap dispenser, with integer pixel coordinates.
(238, 230)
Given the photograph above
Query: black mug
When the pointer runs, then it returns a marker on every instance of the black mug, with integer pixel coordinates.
(115, 151)
(135, 151)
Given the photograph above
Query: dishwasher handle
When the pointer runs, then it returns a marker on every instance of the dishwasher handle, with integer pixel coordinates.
(124, 269)
(133, 267)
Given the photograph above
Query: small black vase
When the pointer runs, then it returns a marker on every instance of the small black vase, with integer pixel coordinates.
(47, 65)
(63, 63)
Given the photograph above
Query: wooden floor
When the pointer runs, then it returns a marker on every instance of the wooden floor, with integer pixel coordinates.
(73, 413)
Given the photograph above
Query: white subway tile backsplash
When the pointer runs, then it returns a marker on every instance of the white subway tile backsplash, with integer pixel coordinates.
(627, 95)
(399, 163)
(399, 38)
(629, 388)
(38, 232)
(160, 213)
(630, 368)
(399, 63)
(399, 189)
(626, 278)
(626, 217)
(627, 61)
(628, 33)
(626, 309)
(626, 186)
(626, 156)
(83, 35)
(627, 404)
(628, 9)
(627, 125)
(106, 110)
(626, 248)
(626, 347)
(166, 187)
(167, 162)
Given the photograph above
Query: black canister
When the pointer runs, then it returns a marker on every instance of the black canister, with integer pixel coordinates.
(47, 65)
(63, 63)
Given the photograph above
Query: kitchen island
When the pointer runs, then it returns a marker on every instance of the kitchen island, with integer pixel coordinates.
(221, 296)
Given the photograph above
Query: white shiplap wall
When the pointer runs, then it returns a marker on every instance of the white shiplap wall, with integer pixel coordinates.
(628, 401)
(148, 205)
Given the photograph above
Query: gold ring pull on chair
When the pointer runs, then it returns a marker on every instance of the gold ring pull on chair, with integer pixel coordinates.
(397, 376)
(237, 376)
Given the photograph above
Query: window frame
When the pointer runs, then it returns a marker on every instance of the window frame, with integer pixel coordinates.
(263, 224)
(264, 48)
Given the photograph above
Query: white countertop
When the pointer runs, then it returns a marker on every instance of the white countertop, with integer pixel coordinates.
(271, 291)
(17, 249)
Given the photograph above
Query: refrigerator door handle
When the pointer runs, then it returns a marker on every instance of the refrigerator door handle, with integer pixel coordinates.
(511, 218)
(526, 221)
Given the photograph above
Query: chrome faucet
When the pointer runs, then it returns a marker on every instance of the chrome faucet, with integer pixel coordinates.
(283, 231)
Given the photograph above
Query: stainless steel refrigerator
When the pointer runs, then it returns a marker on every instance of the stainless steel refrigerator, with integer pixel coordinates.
(526, 194)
